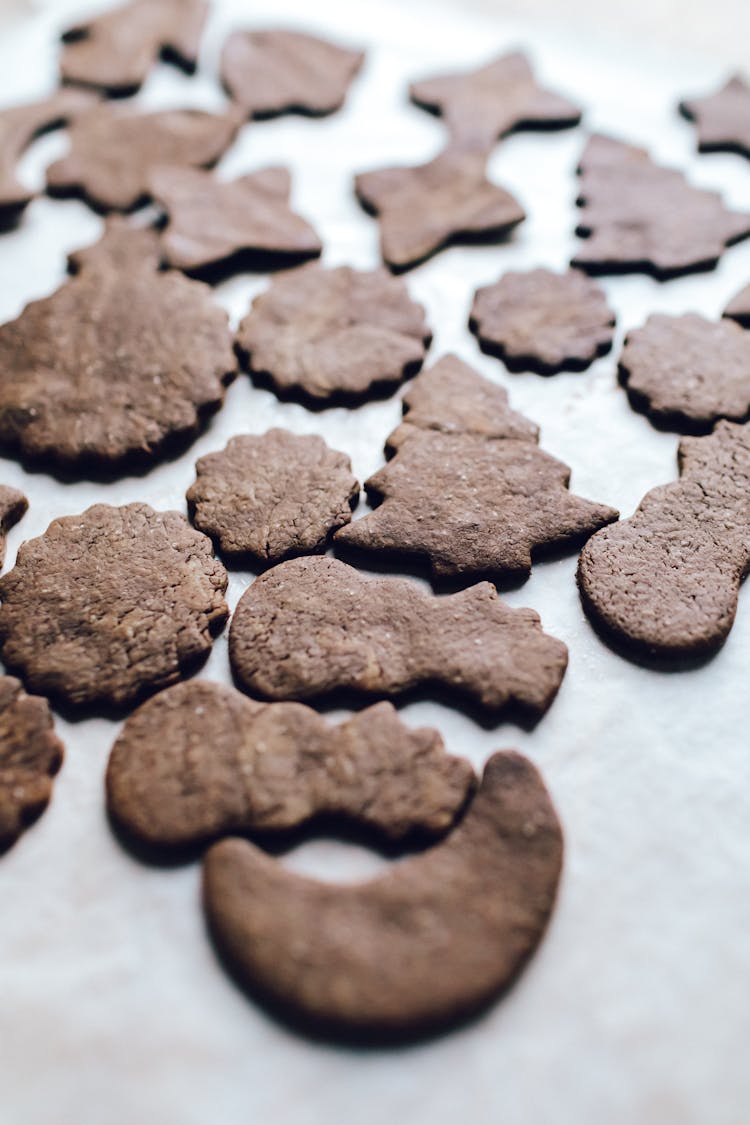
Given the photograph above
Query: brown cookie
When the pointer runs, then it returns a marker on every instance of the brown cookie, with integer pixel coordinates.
(200, 761)
(543, 321)
(118, 365)
(722, 118)
(480, 106)
(272, 72)
(30, 756)
(113, 152)
(217, 227)
(115, 51)
(314, 626)
(640, 217)
(13, 506)
(111, 605)
(425, 208)
(685, 372)
(436, 938)
(331, 335)
(739, 307)
(664, 583)
(19, 125)
(264, 499)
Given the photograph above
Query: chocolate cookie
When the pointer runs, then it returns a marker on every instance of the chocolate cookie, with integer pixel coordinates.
(640, 217)
(111, 605)
(272, 72)
(360, 960)
(480, 106)
(331, 335)
(115, 51)
(722, 118)
(215, 226)
(19, 125)
(664, 583)
(13, 506)
(30, 756)
(113, 152)
(739, 307)
(543, 321)
(118, 365)
(312, 626)
(264, 499)
(686, 372)
(201, 761)
(425, 208)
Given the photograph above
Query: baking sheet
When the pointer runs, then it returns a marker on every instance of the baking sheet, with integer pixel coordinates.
(112, 1005)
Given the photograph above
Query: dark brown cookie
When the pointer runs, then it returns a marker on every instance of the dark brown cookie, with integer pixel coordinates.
(722, 118)
(480, 106)
(30, 756)
(328, 335)
(640, 217)
(272, 72)
(543, 321)
(113, 152)
(425, 208)
(19, 125)
(264, 499)
(115, 51)
(201, 761)
(222, 227)
(111, 605)
(664, 583)
(313, 626)
(686, 372)
(361, 960)
(739, 307)
(118, 365)
(13, 506)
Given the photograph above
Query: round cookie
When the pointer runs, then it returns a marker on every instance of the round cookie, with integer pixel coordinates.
(111, 605)
(30, 756)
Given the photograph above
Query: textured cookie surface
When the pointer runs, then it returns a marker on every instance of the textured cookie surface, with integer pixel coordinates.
(115, 51)
(739, 307)
(686, 371)
(424, 208)
(269, 497)
(242, 224)
(479, 106)
(723, 118)
(272, 72)
(30, 756)
(665, 582)
(120, 359)
(201, 760)
(311, 626)
(639, 216)
(331, 334)
(113, 152)
(13, 505)
(111, 605)
(360, 959)
(543, 321)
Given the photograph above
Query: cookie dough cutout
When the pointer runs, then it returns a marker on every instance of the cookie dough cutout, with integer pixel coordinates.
(722, 119)
(30, 756)
(543, 321)
(201, 760)
(639, 217)
(120, 365)
(663, 584)
(111, 605)
(330, 336)
(314, 626)
(264, 499)
(19, 126)
(216, 228)
(114, 52)
(272, 72)
(739, 307)
(686, 372)
(113, 152)
(480, 106)
(359, 960)
(13, 507)
(423, 209)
